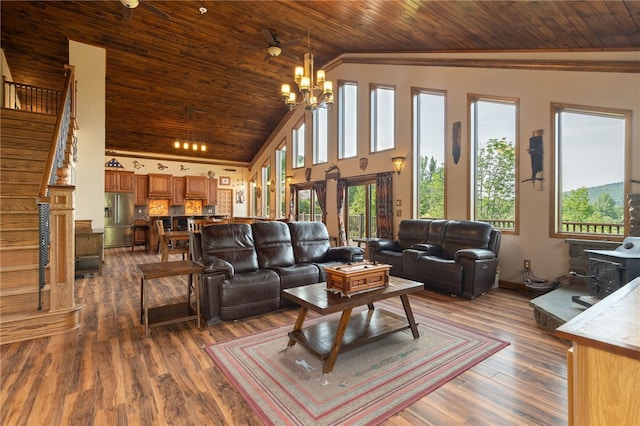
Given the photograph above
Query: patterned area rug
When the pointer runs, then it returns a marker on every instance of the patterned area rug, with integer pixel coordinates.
(285, 385)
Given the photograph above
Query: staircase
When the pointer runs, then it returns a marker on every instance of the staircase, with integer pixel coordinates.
(25, 140)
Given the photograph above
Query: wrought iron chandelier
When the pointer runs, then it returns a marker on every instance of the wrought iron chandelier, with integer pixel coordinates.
(313, 94)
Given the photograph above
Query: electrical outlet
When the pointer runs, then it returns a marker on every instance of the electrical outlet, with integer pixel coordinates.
(527, 264)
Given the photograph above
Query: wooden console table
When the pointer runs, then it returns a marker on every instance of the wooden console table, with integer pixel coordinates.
(88, 255)
(603, 366)
(169, 314)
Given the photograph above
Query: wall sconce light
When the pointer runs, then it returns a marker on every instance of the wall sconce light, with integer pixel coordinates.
(272, 186)
(397, 163)
(289, 180)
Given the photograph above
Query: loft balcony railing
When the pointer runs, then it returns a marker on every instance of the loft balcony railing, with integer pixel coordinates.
(26, 97)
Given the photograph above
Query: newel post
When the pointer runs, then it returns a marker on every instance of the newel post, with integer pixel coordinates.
(62, 233)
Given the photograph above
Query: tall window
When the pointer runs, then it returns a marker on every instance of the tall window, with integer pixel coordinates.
(429, 142)
(494, 132)
(308, 207)
(382, 118)
(347, 119)
(361, 210)
(266, 193)
(320, 137)
(297, 138)
(254, 196)
(590, 170)
(281, 180)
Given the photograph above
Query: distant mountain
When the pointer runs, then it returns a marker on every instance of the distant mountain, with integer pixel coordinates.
(616, 190)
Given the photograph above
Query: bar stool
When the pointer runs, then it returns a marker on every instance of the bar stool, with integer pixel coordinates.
(140, 242)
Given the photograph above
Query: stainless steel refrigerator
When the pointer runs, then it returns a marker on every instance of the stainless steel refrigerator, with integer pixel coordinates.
(118, 219)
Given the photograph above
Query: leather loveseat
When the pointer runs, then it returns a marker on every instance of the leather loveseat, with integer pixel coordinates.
(456, 257)
(245, 267)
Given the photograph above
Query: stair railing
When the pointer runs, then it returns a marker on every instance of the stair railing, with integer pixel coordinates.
(56, 174)
(26, 97)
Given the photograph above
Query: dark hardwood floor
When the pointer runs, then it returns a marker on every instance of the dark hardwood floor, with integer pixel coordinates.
(107, 373)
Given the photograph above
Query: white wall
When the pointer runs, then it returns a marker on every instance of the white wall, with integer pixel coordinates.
(535, 89)
(90, 68)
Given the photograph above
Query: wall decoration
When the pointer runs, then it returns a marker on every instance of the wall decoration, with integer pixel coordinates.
(332, 172)
(307, 174)
(535, 151)
(211, 174)
(364, 162)
(162, 166)
(456, 146)
(183, 168)
(225, 180)
(137, 164)
(240, 196)
(114, 163)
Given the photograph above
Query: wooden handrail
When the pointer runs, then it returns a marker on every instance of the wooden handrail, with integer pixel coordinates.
(66, 96)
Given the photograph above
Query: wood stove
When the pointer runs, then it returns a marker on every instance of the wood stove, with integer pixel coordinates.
(611, 269)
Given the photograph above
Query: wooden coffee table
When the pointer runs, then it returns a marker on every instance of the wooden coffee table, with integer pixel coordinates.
(326, 339)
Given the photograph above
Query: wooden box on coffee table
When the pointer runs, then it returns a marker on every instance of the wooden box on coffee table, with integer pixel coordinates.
(357, 277)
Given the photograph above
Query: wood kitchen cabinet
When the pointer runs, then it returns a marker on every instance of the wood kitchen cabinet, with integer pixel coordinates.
(603, 365)
(159, 185)
(141, 186)
(118, 181)
(212, 192)
(196, 187)
(178, 193)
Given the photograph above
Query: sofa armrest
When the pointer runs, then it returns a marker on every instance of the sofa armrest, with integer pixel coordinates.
(346, 254)
(215, 265)
(383, 244)
(428, 249)
(474, 254)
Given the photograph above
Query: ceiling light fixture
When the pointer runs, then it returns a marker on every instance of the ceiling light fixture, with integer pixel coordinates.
(190, 144)
(303, 77)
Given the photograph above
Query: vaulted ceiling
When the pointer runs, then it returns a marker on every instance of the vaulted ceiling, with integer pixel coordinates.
(173, 72)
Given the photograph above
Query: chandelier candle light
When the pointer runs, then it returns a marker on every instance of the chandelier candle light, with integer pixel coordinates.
(303, 77)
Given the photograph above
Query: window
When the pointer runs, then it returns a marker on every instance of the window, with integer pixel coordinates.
(281, 181)
(320, 138)
(254, 196)
(494, 143)
(347, 119)
(382, 118)
(308, 207)
(297, 138)
(361, 210)
(429, 142)
(266, 193)
(590, 170)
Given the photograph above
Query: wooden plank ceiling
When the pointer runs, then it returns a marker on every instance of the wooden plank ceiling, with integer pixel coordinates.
(204, 76)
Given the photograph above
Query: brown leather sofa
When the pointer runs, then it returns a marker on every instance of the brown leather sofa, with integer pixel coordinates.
(456, 257)
(245, 267)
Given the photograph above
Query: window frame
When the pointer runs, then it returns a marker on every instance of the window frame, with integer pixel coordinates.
(280, 181)
(415, 92)
(374, 113)
(320, 130)
(298, 137)
(342, 121)
(472, 157)
(555, 230)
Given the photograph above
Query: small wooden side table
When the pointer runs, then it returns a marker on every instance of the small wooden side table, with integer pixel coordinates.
(169, 314)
